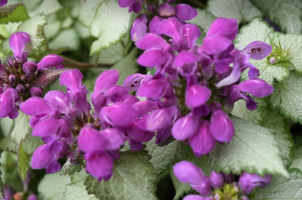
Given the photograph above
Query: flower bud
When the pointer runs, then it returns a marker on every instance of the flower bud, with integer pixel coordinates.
(248, 182)
(12, 78)
(151, 7)
(20, 88)
(216, 180)
(166, 10)
(29, 68)
(272, 60)
(36, 91)
(22, 77)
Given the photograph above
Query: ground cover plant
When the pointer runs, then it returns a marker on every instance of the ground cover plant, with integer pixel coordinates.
(150, 99)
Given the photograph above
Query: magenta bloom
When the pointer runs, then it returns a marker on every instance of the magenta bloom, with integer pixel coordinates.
(134, 5)
(3, 2)
(248, 182)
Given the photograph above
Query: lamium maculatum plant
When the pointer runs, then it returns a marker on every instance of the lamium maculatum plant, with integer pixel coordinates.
(148, 99)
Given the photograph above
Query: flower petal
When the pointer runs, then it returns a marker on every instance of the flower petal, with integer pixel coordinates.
(17, 42)
(256, 87)
(197, 95)
(90, 139)
(257, 50)
(50, 61)
(106, 80)
(185, 127)
(185, 12)
(221, 127)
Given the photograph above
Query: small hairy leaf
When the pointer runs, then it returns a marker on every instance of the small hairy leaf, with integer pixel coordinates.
(280, 189)
(110, 25)
(77, 191)
(253, 149)
(287, 97)
(161, 156)
(241, 10)
(70, 168)
(46, 7)
(52, 186)
(133, 179)
(256, 116)
(286, 13)
(13, 13)
(23, 160)
(21, 129)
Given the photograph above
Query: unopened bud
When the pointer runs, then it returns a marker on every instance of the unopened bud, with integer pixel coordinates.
(36, 91)
(244, 198)
(22, 77)
(29, 68)
(12, 78)
(151, 7)
(20, 88)
(272, 60)
(217, 197)
(166, 10)
(170, 1)
(216, 180)
(27, 85)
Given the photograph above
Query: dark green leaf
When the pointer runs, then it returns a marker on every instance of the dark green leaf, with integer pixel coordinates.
(13, 13)
(133, 179)
(23, 160)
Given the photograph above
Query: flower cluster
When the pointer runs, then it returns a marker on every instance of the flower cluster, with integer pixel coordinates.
(218, 185)
(194, 86)
(18, 76)
(77, 132)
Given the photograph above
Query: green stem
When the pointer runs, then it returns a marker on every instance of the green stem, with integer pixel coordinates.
(79, 65)
(96, 60)
(2, 37)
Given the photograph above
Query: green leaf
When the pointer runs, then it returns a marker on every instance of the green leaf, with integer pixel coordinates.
(1, 181)
(23, 160)
(297, 161)
(280, 189)
(66, 38)
(287, 97)
(52, 186)
(46, 8)
(133, 179)
(161, 156)
(88, 10)
(241, 10)
(286, 13)
(256, 116)
(70, 168)
(203, 19)
(33, 27)
(127, 66)
(77, 191)
(13, 13)
(30, 145)
(253, 149)
(109, 25)
(21, 129)
(274, 121)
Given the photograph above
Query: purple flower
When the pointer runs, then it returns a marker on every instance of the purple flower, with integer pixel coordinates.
(134, 5)
(221, 126)
(187, 172)
(202, 142)
(248, 182)
(3, 2)
(139, 27)
(99, 164)
(76, 91)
